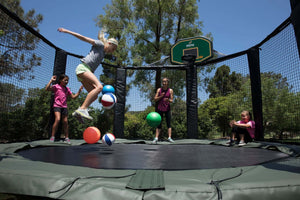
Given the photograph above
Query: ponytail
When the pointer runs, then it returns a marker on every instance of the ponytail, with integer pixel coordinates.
(101, 36)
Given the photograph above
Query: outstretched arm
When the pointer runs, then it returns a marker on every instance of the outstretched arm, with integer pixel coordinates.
(77, 35)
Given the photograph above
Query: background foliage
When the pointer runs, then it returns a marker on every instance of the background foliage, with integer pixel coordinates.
(146, 31)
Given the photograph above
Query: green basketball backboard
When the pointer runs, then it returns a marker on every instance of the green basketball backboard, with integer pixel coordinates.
(200, 47)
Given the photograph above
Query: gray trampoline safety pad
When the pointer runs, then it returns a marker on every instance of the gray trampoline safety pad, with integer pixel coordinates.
(147, 180)
(277, 179)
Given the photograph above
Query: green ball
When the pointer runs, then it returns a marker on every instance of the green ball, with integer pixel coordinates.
(153, 119)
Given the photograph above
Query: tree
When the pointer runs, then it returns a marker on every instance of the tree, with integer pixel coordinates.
(280, 107)
(17, 60)
(136, 126)
(29, 120)
(11, 97)
(224, 83)
(227, 99)
(146, 31)
(214, 115)
(280, 104)
(18, 44)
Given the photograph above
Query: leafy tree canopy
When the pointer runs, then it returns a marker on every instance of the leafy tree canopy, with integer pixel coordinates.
(224, 83)
(146, 30)
(16, 43)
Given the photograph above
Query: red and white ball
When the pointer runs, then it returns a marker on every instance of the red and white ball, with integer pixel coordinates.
(108, 100)
(108, 139)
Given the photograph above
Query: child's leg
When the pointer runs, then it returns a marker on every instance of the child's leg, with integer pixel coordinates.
(233, 133)
(92, 85)
(56, 123)
(170, 132)
(168, 120)
(65, 125)
(233, 136)
(242, 132)
(242, 136)
(157, 132)
(158, 129)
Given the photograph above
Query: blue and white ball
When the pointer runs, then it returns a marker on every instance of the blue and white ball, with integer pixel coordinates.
(108, 100)
(108, 89)
(108, 139)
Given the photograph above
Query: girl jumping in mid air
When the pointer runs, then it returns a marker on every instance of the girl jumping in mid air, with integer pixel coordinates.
(85, 70)
(60, 108)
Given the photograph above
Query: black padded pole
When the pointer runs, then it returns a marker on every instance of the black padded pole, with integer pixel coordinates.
(157, 85)
(119, 114)
(59, 68)
(192, 100)
(60, 62)
(254, 68)
(295, 19)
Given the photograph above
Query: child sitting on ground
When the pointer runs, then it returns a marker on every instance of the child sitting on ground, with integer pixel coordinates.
(244, 129)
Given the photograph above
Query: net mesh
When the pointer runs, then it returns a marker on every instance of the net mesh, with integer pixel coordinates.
(26, 66)
(224, 90)
(224, 95)
(280, 72)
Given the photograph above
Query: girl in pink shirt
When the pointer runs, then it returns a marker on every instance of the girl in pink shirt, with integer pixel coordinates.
(60, 108)
(245, 127)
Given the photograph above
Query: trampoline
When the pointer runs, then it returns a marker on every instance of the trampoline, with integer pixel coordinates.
(186, 169)
(145, 156)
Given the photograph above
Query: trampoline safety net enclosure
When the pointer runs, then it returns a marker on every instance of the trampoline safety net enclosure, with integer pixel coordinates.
(189, 168)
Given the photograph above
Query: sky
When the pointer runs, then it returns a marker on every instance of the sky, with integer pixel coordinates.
(235, 25)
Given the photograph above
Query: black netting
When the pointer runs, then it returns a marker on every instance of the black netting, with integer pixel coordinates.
(140, 102)
(220, 101)
(224, 89)
(26, 66)
(280, 75)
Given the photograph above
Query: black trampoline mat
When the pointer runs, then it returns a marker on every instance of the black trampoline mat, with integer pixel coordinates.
(145, 156)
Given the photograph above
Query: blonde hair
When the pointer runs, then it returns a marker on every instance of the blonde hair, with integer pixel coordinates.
(104, 40)
(246, 112)
(113, 41)
(101, 36)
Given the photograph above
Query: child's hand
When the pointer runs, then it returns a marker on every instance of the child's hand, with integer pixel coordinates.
(80, 89)
(53, 78)
(231, 123)
(61, 30)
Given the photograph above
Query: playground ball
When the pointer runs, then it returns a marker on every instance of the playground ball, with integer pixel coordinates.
(108, 139)
(153, 119)
(108, 100)
(108, 89)
(91, 135)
